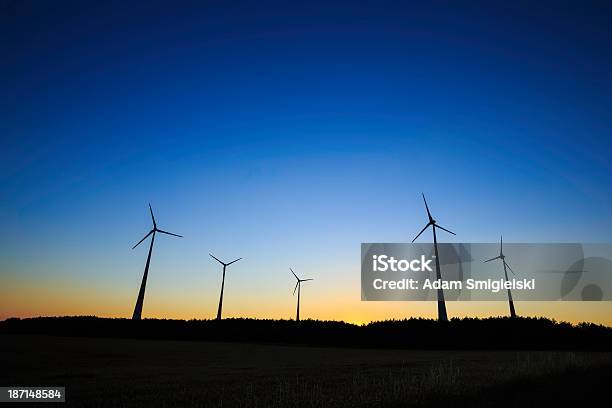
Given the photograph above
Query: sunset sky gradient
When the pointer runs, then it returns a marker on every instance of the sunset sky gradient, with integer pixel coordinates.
(288, 134)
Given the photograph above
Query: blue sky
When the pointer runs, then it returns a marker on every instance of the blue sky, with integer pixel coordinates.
(289, 134)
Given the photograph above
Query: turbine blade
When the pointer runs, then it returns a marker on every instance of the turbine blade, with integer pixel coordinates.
(423, 230)
(492, 259)
(296, 285)
(501, 244)
(235, 260)
(145, 237)
(169, 233)
(508, 266)
(427, 207)
(152, 217)
(218, 260)
(294, 274)
(444, 229)
(306, 280)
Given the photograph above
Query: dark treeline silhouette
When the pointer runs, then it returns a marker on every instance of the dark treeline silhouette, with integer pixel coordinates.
(467, 333)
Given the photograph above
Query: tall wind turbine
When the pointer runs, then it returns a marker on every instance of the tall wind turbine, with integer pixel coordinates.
(225, 265)
(502, 257)
(138, 309)
(298, 286)
(432, 223)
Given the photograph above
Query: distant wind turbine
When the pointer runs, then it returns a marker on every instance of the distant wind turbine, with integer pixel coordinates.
(441, 305)
(138, 309)
(298, 287)
(502, 257)
(225, 265)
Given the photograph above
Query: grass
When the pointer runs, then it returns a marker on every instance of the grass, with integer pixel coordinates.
(110, 372)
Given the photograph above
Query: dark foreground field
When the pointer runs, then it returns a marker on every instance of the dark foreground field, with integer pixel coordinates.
(130, 372)
(265, 363)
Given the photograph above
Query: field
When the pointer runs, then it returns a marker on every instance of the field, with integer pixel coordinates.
(109, 372)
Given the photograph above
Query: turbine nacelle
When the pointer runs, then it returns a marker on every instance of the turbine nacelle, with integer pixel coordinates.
(155, 229)
(501, 257)
(225, 264)
(432, 222)
(299, 281)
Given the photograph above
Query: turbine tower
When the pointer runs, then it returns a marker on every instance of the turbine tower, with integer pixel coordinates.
(502, 257)
(225, 265)
(298, 287)
(138, 309)
(432, 222)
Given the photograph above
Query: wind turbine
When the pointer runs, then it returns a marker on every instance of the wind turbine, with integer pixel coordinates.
(502, 257)
(441, 305)
(138, 309)
(225, 265)
(298, 287)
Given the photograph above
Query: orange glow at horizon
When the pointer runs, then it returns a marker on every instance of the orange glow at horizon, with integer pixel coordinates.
(41, 298)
